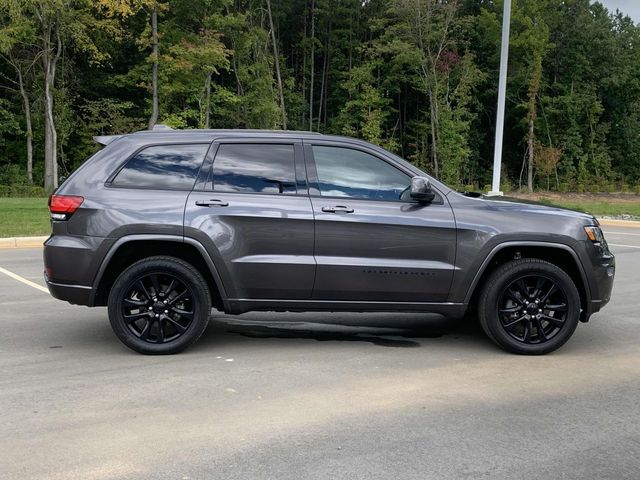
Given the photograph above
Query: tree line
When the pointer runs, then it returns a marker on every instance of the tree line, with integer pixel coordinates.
(418, 77)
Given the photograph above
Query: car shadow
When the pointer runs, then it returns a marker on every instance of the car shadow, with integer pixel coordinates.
(384, 330)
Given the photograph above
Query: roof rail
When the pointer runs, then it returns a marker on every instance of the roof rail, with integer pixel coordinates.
(158, 127)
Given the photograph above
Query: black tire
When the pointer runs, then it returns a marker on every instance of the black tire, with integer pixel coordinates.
(159, 305)
(514, 307)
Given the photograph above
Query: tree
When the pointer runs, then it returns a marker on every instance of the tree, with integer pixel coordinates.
(427, 27)
(154, 68)
(16, 49)
(416, 76)
(530, 44)
(364, 114)
(276, 57)
(426, 31)
(56, 24)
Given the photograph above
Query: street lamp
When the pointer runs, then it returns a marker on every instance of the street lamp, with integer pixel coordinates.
(502, 91)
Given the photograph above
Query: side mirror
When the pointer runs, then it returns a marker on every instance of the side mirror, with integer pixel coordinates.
(421, 190)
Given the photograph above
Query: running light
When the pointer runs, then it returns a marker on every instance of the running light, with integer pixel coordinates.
(63, 206)
(594, 234)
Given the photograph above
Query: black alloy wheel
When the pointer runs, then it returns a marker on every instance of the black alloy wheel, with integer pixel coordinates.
(159, 305)
(533, 309)
(529, 306)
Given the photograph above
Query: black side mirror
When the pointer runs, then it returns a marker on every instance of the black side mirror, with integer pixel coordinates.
(421, 190)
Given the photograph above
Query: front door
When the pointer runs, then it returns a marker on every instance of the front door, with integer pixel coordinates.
(372, 242)
(254, 216)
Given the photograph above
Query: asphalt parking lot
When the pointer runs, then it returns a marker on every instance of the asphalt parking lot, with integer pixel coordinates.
(315, 396)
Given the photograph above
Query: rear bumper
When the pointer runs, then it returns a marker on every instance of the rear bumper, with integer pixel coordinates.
(75, 294)
(70, 263)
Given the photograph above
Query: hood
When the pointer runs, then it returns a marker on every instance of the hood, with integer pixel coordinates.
(529, 206)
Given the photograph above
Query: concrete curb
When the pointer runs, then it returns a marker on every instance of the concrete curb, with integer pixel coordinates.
(35, 242)
(22, 242)
(610, 222)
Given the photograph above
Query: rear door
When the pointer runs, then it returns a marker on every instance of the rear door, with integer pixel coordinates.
(372, 242)
(252, 212)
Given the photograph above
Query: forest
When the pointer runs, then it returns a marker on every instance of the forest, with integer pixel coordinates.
(418, 77)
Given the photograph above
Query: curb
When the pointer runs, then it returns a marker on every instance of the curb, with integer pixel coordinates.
(35, 242)
(618, 223)
(22, 242)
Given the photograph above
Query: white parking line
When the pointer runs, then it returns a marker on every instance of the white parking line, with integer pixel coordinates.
(23, 280)
(618, 245)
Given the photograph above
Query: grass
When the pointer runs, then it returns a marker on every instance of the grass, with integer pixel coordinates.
(600, 208)
(22, 217)
(598, 204)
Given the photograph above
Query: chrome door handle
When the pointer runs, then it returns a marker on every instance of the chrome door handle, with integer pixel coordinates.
(338, 209)
(211, 203)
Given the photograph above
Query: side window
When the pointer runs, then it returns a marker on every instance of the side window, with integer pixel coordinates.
(254, 168)
(163, 167)
(344, 172)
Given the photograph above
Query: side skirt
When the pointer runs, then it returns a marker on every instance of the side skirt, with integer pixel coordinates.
(241, 305)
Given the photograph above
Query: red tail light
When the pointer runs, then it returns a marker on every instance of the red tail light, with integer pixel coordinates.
(63, 206)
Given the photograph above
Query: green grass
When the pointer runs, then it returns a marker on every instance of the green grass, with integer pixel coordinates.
(21, 217)
(599, 208)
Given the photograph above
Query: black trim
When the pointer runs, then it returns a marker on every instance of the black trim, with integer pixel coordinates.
(74, 294)
(204, 175)
(171, 238)
(501, 246)
(447, 309)
(302, 188)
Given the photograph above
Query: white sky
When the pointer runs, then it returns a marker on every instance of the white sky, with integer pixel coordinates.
(629, 7)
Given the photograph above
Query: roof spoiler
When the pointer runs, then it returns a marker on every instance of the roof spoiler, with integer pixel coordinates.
(105, 139)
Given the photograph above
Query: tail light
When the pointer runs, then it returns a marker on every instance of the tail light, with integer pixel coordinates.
(63, 206)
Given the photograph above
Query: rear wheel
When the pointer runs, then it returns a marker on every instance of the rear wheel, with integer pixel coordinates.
(529, 306)
(159, 305)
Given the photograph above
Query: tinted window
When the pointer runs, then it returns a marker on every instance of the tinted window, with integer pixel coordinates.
(254, 168)
(163, 166)
(344, 172)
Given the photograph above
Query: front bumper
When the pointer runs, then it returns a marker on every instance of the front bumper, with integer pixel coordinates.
(600, 273)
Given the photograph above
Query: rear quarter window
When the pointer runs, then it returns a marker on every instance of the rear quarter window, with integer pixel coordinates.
(163, 167)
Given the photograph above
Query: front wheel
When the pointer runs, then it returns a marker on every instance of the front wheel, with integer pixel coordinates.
(529, 306)
(159, 305)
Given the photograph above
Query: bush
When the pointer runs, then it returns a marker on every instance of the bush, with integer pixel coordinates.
(21, 191)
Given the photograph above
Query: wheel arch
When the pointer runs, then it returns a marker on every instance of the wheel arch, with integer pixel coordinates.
(131, 248)
(558, 254)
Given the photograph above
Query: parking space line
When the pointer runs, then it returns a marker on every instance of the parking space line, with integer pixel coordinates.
(618, 245)
(23, 280)
(622, 233)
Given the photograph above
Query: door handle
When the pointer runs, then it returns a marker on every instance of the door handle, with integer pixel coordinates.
(211, 203)
(338, 209)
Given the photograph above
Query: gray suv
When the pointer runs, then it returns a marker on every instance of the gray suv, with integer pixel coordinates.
(163, 225)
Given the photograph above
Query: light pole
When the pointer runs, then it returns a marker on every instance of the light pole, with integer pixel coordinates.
(502, 91)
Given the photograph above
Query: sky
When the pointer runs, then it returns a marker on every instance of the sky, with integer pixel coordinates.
(629, 7)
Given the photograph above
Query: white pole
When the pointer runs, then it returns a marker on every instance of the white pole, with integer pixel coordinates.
(502, 90)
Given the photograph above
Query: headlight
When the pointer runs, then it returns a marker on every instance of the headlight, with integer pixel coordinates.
(597, 237)
(594, 234)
